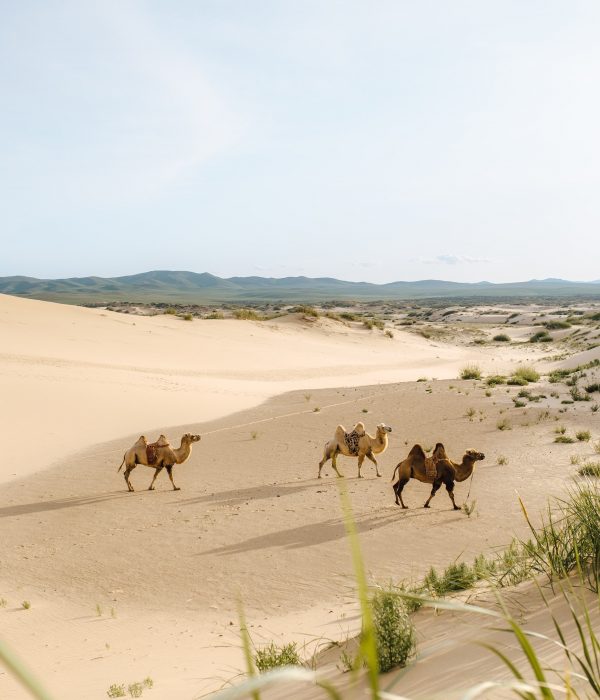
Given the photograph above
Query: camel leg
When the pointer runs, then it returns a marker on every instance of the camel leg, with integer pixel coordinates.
(326, 458)
(450, 489)
(170, 473)
(436, 486)
(334, 463)
(157, 471)
(372, 458)
(398, 486)
(361, 459)
(126, 474)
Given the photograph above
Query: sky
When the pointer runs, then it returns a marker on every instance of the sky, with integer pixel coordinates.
(370, 140)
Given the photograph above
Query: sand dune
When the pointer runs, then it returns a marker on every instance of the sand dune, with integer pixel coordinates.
(77, 376)
(123, 586)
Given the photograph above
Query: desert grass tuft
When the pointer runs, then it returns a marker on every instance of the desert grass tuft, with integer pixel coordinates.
(583, 435)
(589, 469)
(470, 372)
(273, 656)
(394, 632)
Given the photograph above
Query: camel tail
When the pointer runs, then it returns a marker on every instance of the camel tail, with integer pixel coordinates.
(394, 474)
(122, 463)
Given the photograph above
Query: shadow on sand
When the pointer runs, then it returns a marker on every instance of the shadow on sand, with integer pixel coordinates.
(58, 504)
(318, 533)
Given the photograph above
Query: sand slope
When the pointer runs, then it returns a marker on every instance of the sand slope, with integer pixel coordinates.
(123, 586)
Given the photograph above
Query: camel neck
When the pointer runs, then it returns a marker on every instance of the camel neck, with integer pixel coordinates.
(464, 469)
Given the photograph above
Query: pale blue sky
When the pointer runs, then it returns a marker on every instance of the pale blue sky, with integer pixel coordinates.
(365, 140)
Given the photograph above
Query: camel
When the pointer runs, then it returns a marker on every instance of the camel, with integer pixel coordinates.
(158, 455)
(357, 443)
(447, 472)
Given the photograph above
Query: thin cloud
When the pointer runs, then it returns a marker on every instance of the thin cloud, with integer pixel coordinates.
(450, 259)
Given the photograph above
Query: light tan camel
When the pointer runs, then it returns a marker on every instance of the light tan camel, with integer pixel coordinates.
(447, 472)
(158, 455)
(357, 443)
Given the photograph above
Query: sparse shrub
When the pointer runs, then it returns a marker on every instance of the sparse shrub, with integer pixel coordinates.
(589, 469)
(135, 690)
(307, 397)
(519, 404)
(502, 338)
(469, 508)
(98, 610)
(556, 325)
(316, 409)
(273, 656)
(389, 333)
(424, 379)
(25, 605)
(187, 317)
(496, 379)
(488, 393)
(470, 413)
(214, 315)
(594, 408)
(517, 381)
(591, 388)
(470, 372)
(502, 460)
(560, 430)
(307, 311)
(583, 435)
(528, 373)
(541, 337)
(148, 682)
(246, 315)
(3, 602)
(394, 631)
(116, 690)
(172, 312)
(575, 459)
(503, 424)
(596, 447)
(565, 439)
(365, 410)
(254, 434)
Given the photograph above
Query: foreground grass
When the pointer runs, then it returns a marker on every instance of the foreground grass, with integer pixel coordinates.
(568, 541)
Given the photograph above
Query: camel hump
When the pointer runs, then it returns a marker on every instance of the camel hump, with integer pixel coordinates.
(340, 433)
(439, 452)
(417, 452)
(161, 442)
(141, 441)
(359, 429)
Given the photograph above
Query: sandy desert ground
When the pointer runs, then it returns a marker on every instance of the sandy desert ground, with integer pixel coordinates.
(128, 585)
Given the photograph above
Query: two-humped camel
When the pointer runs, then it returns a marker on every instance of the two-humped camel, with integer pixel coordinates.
(356, 443)
(437, 470)
(159, 455)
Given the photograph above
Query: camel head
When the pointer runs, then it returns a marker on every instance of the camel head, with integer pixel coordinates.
(382, 428)
(188, 437)
(474, 455)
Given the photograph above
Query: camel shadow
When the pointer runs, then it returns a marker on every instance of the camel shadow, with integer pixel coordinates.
(58, 504)
(309, 535)
(235, 497)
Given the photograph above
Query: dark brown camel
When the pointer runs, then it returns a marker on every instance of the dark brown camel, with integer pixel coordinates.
(435, 470)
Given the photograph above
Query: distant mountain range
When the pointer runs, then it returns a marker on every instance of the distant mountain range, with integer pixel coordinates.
(204, 288)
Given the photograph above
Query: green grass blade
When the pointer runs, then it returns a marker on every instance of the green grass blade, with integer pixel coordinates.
(368, 643)
(14, 664)
(247, 647)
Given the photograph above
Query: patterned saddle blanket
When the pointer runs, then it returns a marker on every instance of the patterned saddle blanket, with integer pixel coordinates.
(351, 440)
(151, 455)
